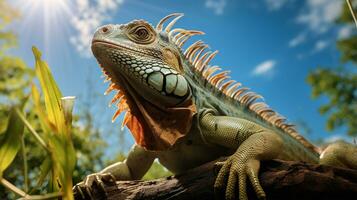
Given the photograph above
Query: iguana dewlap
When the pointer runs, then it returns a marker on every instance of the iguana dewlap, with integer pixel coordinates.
(186, 112)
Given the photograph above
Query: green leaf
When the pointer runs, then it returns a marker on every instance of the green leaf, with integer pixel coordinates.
(51, 92)
(11, 142)
(45, 169)
(45, 123)
(64, 154)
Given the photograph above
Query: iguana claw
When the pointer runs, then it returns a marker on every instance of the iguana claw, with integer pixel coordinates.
(99, 180)
(233, 174)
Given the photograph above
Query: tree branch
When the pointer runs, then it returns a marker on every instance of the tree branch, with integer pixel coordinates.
(280, 180)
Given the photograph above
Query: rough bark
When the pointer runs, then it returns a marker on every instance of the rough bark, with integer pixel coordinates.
(280, 180)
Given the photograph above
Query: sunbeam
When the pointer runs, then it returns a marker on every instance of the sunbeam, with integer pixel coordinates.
(48, 18)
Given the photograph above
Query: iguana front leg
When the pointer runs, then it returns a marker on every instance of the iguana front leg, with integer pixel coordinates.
(253, 143)
(133, 167)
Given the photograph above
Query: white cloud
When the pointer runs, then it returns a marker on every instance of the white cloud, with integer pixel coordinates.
(274, 5)
(264, 68)
(345, 31)
(89, 16)
(320, 45)
(319, 15)
(338, 137)
(299, 39)
(216, 5)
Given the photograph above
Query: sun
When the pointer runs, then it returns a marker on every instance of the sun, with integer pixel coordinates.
(48, 3)
(48, 11)
(47, 20)
(56, 6)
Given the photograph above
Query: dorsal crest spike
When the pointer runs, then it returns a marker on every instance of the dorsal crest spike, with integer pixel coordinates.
(265, 111)
(252, 99)
(190, 48)
(191, 33)
(180, 36)
(213, 79)
(182, 42)
(225, 85)
(200, 50)
(206, 62)
(257, 106)
(209, 71)
(159, 25)
(196, 32)
(220, 80)
(239, 92)
(200, 60)
(173, 31)
(232, 88)
(172, 23)
(196, 53)
(243, 98)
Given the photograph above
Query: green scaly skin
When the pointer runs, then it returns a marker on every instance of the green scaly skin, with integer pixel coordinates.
(148, 62)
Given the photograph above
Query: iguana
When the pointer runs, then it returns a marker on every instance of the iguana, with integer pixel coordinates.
(185, 112)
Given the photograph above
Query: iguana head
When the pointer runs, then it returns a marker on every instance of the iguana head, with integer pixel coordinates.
(146, 68)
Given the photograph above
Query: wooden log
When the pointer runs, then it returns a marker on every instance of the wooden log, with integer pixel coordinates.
(280, 180)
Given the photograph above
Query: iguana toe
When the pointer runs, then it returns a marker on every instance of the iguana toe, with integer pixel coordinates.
(231, 188)
(85, 188)
(252, 172)
(84, 191)
(78, 190)
(222, 176)
(217, 167)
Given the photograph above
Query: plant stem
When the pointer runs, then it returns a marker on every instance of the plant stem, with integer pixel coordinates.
(42, 197)
(32, 131)
(12, 187)
(25, 196)
(352, 12)
(24, 157)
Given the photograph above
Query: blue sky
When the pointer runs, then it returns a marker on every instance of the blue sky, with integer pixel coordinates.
(269, 45)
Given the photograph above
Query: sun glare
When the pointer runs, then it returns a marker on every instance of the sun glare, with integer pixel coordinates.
(50, 4)
(51, 8)
(49, 18)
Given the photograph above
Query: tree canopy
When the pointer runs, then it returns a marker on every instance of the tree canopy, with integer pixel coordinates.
(339, 84)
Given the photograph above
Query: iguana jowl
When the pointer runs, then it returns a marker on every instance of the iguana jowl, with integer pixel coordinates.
(185, 112)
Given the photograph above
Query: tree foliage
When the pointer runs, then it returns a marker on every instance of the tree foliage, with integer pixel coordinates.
(339, 84)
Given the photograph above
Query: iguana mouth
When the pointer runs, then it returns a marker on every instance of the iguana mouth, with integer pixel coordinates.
(125, 47)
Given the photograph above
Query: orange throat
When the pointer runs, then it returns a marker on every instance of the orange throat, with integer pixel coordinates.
(152, 128)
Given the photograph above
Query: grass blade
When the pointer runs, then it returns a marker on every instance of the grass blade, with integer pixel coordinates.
(11, 143)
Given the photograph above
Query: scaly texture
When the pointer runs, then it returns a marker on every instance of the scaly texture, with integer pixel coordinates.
(185, 112)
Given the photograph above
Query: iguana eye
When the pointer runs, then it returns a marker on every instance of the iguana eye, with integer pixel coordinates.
(141, 35)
